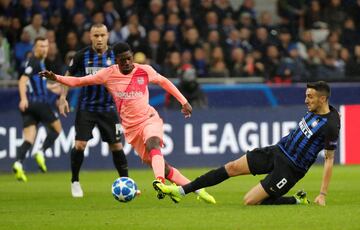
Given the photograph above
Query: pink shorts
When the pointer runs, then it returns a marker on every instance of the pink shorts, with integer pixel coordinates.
(153, 127)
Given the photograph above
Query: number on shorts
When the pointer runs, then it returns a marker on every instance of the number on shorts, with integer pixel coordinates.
(281, 183)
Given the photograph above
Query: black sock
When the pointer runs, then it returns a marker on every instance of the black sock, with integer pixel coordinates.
(279, 200)
(120, 162)
(50, 139)
(210, 178)
(22, 150)
(77, 157)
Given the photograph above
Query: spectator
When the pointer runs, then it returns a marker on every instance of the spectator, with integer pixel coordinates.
(218, 67)
(133, 21)
(135, 40)
(334, 15)
(110, 14)
(190, 88)
(159, 23)
(172, 7)
(153, 47)
(25, 11)
(191, 40)
(35, 29)
(271, 63)
(185, 9)
(290, 12)
(79, 24)
(292, 68)
(352, 68)
(329, 70)
(202, 10)
(200, 62)
(313, 14)
(45, 11)
(223, 9)
(22, 48)
(155, 8)
(4, 58)
(305, 43)
(168, 45)
(172, 65)
(53, 60)
(349, 36)
(332, 45)
(115, 33)
(14, 31)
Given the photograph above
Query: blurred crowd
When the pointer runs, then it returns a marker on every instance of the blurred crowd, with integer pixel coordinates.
(311, 39)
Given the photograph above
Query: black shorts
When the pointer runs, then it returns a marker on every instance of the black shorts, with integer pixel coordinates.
(282, 173)
(39, 112)
(107, 122)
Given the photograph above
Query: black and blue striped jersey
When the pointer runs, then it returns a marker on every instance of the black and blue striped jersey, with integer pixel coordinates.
(313, 133)
(93, 98)
(36, 86)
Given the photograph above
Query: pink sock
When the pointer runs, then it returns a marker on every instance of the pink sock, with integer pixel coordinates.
(176, 177)
(158, 164)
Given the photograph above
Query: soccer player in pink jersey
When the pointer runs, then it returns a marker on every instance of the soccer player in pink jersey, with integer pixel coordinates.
(128, 82)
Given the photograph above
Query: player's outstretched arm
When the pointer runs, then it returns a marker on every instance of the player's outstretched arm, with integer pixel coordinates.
(62, 103)
(171, 88)
(328, 166)
(97, 79)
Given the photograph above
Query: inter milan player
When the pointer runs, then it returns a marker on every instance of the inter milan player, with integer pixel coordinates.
(35, 108)
(143, 127)
(286, 162)
(95, 107)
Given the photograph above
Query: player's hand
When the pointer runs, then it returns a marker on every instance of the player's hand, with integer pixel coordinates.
(187, 110)
(23, 105)
(48, 74)
(320, 200)
(63, 106)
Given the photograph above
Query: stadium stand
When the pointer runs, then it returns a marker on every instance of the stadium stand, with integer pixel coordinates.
(309, 40)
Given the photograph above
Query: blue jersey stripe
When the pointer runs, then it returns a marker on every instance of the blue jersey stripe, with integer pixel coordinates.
(302, 147)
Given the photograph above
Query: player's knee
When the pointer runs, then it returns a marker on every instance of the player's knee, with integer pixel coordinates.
(116, 147)
(232, 168)
(248, 200)
(152, 143)
(80, 145)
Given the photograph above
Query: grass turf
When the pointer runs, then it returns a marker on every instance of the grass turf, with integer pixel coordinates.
(45, 203)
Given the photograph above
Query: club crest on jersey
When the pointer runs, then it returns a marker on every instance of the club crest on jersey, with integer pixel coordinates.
(315, 123)
(108, 62)
(140, 80)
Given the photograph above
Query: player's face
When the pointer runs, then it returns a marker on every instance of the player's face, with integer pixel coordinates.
(125, 62)
(41, 48)
(313, 100)
(99, 37)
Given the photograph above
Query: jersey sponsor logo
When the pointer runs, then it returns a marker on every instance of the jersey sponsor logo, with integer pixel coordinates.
(28, 70)
(305, 128)
(92, 70)
(130, 95)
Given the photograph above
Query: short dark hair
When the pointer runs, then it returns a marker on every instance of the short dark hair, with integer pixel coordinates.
(98, 25)
(40, 38)
(320, 86)
(121, 47)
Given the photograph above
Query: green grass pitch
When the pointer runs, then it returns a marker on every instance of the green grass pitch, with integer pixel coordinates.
(45, 203)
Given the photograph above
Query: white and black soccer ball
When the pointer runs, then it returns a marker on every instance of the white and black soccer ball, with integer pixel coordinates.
(124, 189)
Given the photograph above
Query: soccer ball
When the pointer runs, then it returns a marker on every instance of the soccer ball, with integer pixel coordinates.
(124, 189)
